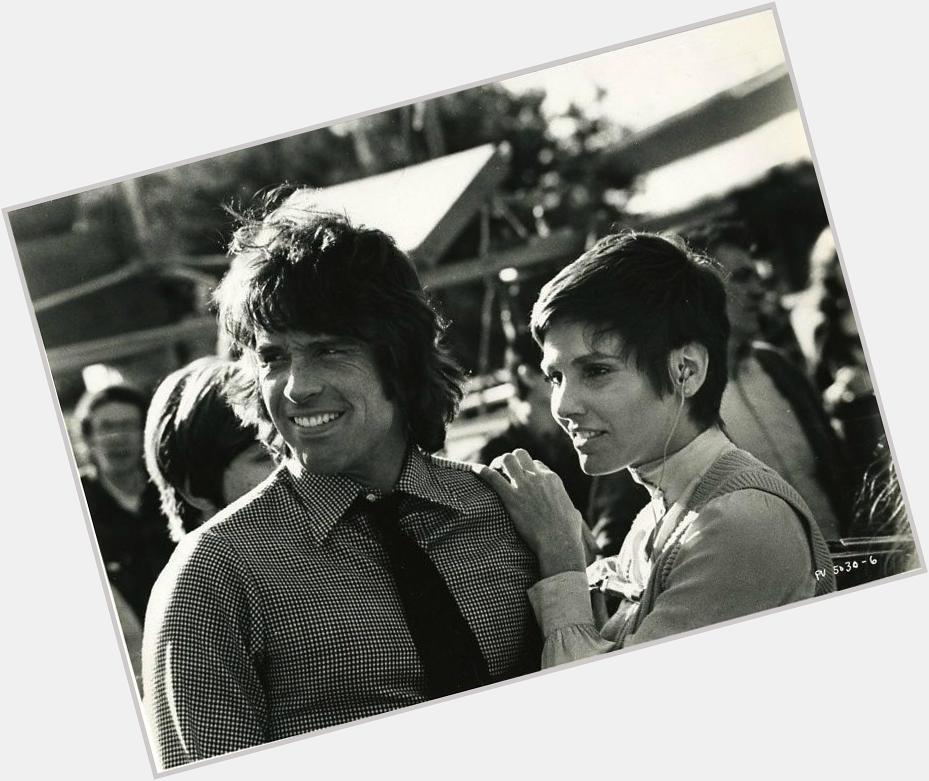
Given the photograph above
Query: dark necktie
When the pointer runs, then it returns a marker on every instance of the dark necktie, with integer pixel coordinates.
(446, 645)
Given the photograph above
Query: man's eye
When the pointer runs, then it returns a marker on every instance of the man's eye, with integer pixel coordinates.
(596, 370)
(266, 358)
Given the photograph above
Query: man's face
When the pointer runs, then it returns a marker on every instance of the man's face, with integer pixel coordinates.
(115, 439)
(611, 412)
(744, 291)
(325, 397)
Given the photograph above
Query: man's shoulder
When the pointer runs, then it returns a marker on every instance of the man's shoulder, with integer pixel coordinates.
(230, 542)
(451, 472)
(245, 522)
(460, 480)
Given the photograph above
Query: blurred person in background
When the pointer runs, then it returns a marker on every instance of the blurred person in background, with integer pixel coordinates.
(769, 407)
(634, 339)
(199, 455)
(774, 326)
(531, 425)
(837, 360)
(123, 505)
(808, 307)
(827, 332)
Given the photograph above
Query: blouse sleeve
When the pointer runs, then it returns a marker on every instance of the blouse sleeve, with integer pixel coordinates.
(562, 608)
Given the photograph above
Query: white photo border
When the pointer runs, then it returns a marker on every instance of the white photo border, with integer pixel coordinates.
(818, 688)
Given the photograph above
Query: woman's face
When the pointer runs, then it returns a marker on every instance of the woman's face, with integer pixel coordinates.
(245, 471)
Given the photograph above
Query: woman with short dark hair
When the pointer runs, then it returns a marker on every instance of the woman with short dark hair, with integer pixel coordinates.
(198, 454)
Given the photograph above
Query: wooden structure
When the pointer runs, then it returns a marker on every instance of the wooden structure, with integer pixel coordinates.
(96, 306)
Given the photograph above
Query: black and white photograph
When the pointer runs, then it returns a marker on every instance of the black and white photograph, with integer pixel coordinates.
(509, 420)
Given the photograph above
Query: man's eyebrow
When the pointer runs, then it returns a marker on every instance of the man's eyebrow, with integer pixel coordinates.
(594, 356)
(327, 340)
(315, 340)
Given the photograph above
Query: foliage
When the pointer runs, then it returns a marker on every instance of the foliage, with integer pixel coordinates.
(557, 177)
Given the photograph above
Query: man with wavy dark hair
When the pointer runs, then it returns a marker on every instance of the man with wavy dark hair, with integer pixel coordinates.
(365, 574)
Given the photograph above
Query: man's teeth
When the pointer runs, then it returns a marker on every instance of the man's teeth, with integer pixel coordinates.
(317, 420)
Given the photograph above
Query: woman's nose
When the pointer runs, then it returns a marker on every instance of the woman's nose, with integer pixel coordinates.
(566, 402)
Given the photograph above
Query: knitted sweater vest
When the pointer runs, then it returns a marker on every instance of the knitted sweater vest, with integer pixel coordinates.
(737, 470)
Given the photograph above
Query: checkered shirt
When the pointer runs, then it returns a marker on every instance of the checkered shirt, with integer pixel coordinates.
(280, 615)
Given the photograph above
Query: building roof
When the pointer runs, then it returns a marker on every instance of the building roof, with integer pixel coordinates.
(423, 206)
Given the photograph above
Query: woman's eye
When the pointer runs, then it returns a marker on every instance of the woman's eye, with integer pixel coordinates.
(552, 379)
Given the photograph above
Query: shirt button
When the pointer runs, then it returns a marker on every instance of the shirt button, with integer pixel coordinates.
(371, 497)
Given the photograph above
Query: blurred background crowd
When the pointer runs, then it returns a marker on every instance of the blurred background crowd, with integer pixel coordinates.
(490, 190)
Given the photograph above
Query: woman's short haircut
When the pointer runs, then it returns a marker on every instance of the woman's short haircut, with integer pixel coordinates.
(296, 268)
(191, 437)
(656, 295)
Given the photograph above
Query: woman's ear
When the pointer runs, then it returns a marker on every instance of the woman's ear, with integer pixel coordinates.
(688, 366)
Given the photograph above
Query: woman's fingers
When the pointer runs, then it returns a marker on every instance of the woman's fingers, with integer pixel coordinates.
(495, 478)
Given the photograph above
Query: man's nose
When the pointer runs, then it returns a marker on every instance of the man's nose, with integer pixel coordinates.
(302, 383)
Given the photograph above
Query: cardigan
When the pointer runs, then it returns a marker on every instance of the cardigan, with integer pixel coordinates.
(736, 470)
(746, 543)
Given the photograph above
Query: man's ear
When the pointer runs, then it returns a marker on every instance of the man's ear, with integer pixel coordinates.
(687, 366)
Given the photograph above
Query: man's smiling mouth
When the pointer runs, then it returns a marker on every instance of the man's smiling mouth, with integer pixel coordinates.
(314, 421)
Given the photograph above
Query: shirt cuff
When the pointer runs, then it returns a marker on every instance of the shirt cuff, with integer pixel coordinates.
(561, 601)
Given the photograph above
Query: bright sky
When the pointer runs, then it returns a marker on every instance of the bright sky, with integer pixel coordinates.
(651, 81)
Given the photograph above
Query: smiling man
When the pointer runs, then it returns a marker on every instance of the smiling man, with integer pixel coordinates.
(365, 574)
(634, 338)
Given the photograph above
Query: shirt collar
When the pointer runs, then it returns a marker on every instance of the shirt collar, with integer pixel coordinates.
(680, 469)
(328, 497)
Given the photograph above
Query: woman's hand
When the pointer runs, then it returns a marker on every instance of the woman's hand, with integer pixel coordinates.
(541, 511)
